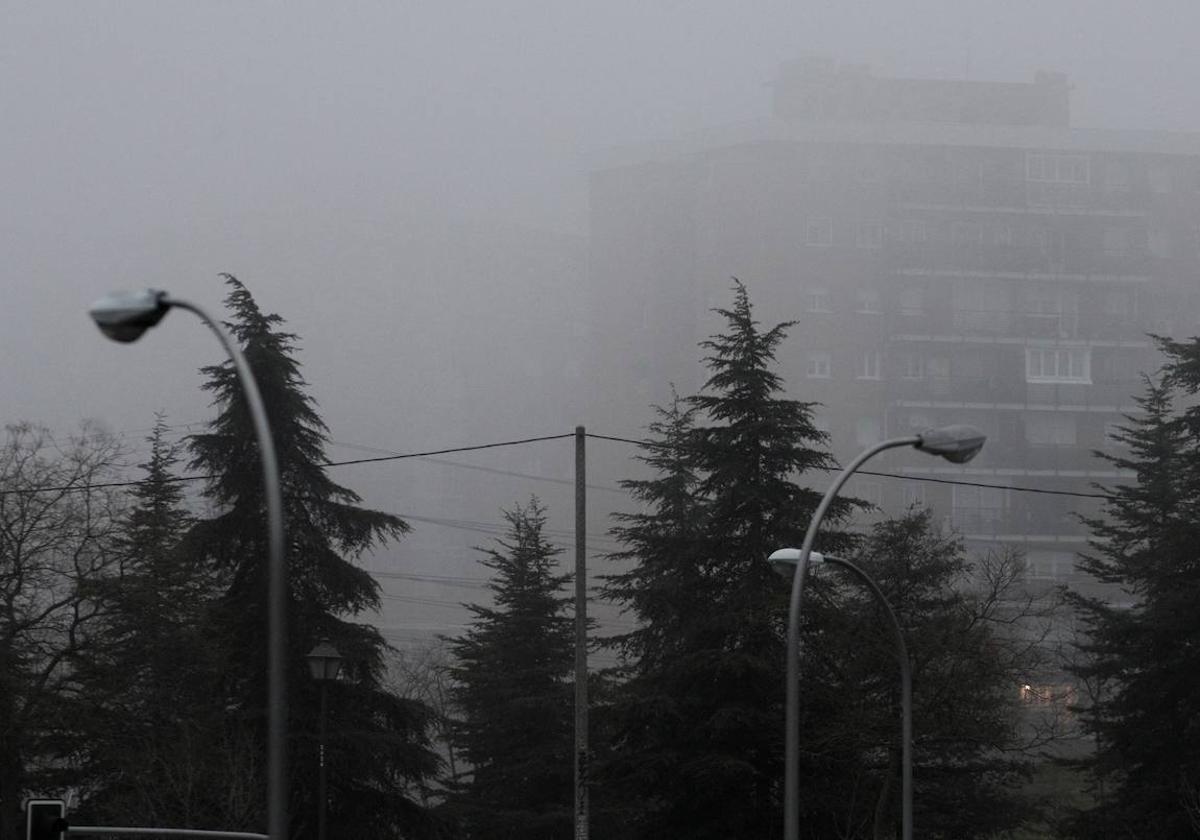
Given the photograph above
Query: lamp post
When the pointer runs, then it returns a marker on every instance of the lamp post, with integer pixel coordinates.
(785, 561)
(124, 316)
(957, 444)
(324, 662)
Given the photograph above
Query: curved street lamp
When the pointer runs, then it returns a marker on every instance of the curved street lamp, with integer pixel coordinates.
(124, 316)
(957, 444)
(786, 561)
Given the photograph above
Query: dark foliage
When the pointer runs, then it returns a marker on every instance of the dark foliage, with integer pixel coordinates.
(378, 750)
(959, 621)
(1142, 643)
(698, 720)
(513, 691)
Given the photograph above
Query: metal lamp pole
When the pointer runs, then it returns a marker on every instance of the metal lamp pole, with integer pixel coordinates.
(957, 444)
(124, 316)
(791, 557)
(323, 663)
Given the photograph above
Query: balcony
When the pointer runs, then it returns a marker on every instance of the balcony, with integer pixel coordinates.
(1018, 194)
(1103, 394)
(997, 521)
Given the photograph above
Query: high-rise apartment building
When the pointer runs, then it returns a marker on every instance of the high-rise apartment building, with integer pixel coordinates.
(951, 251)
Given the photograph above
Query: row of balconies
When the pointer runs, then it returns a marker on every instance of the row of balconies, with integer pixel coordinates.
(1023, 518)
(1036, 325)
(1022, 193)
(997, 389)
(941, 256)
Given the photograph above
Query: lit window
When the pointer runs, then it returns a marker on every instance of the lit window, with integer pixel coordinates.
(869, 365)
(870, 235)
(819, 232)
(1058, 364)
(819, 364)
(819, 300)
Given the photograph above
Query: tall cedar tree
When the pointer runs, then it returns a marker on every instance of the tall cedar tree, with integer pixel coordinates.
(1142, 647)
(513, 690)
(378, 749)
(703, 706)
(141, 698)
(965, 668)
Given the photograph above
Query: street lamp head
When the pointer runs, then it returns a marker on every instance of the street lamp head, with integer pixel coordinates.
(324, 661)
(124, 316)
(957, 444)
(785, 560)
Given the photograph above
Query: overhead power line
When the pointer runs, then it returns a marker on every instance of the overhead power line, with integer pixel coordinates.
(956, 481)
(523, 441)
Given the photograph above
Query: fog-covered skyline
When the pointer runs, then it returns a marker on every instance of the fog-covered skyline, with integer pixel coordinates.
(161, 143)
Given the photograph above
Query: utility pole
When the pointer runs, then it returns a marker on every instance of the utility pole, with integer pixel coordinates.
(581, 652)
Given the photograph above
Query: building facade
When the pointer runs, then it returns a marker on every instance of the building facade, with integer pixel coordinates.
(950, 252)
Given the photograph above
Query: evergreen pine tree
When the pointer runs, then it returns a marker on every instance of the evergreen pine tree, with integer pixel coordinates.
(378, 749)
(1141, 640)
(146, 690)
(703, 723)
(513, 691)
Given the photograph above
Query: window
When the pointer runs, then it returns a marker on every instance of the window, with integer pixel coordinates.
(979, 509)
(870, 492)
(914, 230)
(869, 365)
(1117, 176)
(1050, 428)
(870, 235)
(914, 494)
(1058, 364)
(1116, 241)
(1048, 565)
(1120, 303)
(912, 366)
(966, 233)
(1160, 178)
(819, 300)
(912, 301)
(1056, 168)
(819, 232)
(1159, 243)
(819, 364)
(919, 422)
(867, 300)
(866, 431)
